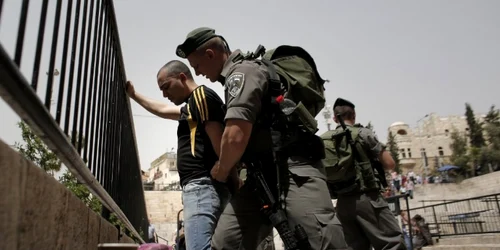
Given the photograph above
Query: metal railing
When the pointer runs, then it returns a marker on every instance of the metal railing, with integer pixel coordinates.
(394, 203)
(477, 215)
(90, 128)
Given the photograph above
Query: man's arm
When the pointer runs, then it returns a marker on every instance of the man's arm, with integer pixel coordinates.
(245, 88)
(377, 149)
(212, 116)
(386, 159)
(214, 131)
(234, 142)
(207, 108)
(155, 107)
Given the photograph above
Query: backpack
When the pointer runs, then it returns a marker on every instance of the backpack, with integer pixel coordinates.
(347, 168)
(294, 68)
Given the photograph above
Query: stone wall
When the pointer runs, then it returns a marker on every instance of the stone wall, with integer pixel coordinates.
(162, 207)
(38, 212)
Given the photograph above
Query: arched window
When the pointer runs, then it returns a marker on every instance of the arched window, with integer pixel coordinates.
(402, 132)
(440, 151)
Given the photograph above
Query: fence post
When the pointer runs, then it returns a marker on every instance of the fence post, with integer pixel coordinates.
(498, 204)
(435, 220)
(409, 220)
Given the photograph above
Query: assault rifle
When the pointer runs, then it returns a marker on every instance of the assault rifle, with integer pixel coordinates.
(376, 165)
(296, 240)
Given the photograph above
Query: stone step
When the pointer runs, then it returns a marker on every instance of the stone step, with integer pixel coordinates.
(479, 239)
(465, 247)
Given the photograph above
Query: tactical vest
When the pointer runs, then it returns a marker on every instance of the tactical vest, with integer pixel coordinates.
(348, 170)
(292, 74)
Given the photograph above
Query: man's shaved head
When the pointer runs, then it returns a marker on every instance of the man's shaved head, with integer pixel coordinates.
(174, 68)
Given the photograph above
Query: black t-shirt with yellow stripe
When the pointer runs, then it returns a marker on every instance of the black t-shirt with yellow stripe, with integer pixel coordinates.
(195, 153)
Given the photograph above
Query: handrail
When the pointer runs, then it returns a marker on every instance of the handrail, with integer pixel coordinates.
(97, 142)
(29, 107)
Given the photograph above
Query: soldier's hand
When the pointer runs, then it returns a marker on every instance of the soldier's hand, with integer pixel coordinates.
(218, 174)
(129, 87)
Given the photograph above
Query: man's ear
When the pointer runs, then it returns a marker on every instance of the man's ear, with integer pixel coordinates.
(183, 78)
(335, 119)
(210, 53)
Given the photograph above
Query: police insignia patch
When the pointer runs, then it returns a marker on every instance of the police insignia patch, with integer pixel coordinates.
(234, 83)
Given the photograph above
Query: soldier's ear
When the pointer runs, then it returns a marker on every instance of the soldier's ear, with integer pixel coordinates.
(209, 53)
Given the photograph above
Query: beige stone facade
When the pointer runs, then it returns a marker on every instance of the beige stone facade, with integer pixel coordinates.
(431, 136)
(163, 171)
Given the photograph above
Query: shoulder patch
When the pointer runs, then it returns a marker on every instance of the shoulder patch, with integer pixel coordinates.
(234, 83)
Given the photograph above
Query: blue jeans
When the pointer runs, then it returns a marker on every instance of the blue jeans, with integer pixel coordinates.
(407, 240)
(204, 200)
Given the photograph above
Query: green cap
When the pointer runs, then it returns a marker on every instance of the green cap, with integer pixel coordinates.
(343, 102)
(195, 39)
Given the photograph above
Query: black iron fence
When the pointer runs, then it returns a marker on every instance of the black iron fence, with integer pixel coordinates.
(70, 91)
(475, 215)
(396, 207)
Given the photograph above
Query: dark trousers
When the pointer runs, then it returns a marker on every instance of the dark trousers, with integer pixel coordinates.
(368, 222)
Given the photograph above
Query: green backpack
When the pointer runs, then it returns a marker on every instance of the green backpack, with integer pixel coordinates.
(296, 69)
(347, 169)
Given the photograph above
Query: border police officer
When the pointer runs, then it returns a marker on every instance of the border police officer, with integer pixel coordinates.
(247, 138)
(365, 216)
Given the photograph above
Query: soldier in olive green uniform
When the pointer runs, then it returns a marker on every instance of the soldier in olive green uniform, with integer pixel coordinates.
(247, 138)
(366, 218)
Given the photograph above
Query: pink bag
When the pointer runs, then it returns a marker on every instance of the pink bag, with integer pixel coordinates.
(154, 246)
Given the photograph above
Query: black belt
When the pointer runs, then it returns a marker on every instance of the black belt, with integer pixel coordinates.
(337, 186)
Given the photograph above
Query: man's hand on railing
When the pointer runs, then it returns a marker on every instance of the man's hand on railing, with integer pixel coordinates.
(157, 108)
(130, 89)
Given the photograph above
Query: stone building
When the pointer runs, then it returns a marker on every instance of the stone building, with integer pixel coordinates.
(426, 147)
(163, 172)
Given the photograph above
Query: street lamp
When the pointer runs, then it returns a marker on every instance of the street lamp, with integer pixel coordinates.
(423, 155)
(327, 114)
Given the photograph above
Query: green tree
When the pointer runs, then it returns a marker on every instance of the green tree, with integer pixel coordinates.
(80, 191)
(493, 116)
(459, 155)
(475, 128)
(492, 128)
(394, 150)
(490, 154)
(36, 151)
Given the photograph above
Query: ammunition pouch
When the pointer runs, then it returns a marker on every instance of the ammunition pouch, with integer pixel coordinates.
(304, 120)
